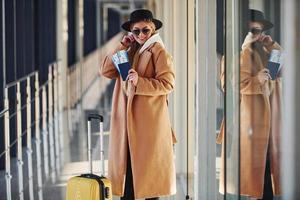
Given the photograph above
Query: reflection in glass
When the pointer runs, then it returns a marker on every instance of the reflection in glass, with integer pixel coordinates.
(250, 135)
(260, 116)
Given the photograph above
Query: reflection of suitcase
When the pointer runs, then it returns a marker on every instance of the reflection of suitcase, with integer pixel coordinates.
(90, 186)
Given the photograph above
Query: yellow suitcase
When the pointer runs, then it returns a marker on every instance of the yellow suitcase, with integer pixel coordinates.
(90, 186)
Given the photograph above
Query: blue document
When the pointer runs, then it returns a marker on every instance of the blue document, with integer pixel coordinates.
(275, 63)
(121, 62)
(273, 69)
(124, 68)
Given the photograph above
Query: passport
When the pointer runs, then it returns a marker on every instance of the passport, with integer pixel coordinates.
(275, 63)
(273, 69)
(124, 68)
(122, 64)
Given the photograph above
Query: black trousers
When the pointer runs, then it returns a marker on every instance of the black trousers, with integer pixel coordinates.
(268, 190)
(129, 191)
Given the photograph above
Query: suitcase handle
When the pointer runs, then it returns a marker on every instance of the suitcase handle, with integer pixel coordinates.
(99, 117)
(95, 116)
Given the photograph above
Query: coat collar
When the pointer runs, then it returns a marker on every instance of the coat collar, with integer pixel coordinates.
(248, 40)
(143, 60)
(154, 38)
(142, 57)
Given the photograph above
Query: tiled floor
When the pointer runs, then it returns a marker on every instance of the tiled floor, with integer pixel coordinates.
(58, 189)
(76, 163)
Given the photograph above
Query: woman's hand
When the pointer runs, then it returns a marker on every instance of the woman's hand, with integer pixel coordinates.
(263, 75)
(127, 40)
(266, 40)
(133, 76)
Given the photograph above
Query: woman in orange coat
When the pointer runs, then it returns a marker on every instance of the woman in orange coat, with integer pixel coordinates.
(141, 161)
(260, 116)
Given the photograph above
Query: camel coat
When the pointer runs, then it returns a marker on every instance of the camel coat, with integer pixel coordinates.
(140, 120)
(260, 128)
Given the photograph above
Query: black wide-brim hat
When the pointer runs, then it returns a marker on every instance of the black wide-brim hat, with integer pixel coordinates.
(141, 15)
(258, 16)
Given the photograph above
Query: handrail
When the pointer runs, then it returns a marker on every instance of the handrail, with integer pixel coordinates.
(14, 83)
(28, 75)
(44, 84)
(14, 142)
(21, 109)
(3, 112)
(32, 93)
(11, 84)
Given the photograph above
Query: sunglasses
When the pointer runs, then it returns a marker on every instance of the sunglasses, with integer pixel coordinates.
(256, 31)
(137, 32)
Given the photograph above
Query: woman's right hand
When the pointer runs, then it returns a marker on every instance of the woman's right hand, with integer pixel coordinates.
(263, 75)
(128, 40)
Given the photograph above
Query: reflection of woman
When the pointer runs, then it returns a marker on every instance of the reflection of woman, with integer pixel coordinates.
(260, 115)
(140, 152)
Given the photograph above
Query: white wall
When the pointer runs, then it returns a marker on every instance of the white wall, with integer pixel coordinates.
(256, 4)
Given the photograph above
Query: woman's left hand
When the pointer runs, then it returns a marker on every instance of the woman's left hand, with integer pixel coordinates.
(133, 76)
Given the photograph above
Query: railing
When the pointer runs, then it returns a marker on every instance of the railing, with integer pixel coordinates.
(87, 71)
(82, 75)
(45, 123)
(43, 129)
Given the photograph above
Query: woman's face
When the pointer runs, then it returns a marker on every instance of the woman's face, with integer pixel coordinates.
(256, 28)
(142, 31)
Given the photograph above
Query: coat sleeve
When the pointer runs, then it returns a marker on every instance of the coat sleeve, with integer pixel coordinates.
(220, 135)
(163, 81)
(107, 67)
(249, 83)
(274, 46)
(222, 74)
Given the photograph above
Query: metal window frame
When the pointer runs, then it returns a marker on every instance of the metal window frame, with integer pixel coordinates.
(206, 62)
(232, 97)
(290, 162)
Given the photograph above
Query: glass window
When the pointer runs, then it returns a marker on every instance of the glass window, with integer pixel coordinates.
(252, 78)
